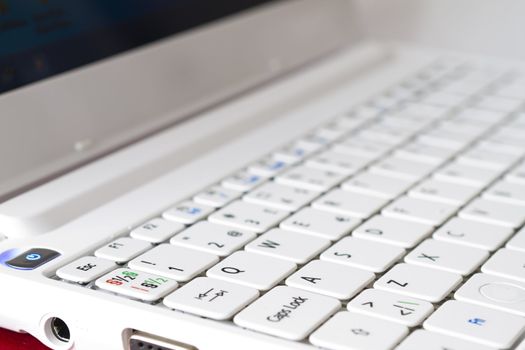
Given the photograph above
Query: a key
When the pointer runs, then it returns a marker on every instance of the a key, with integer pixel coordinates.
(421, 339)
(363, 254)
(156, 230)
(178, 263)
(122, 249)
(287, 313)
(506, 263)
(85, 269)
(518, 240)
(278, 196)
(499, 103)
(424, 153)
(267, 167)
(494, 292)
(496, 213)
(216, 196)
(477, 324)
(309, 178)
(296, 152)
(445, 99)
(487, 157)
(392, 134)
(472, 233)
(506, 192)
(447, 138)
(401, 233)
(243, 181)
(248, 216)
(419, 282)
(391, 307)
(324, 136)
(320, 223)
(349, 203)
(211, 298)
(419, 210)
(447, 256)
(445, 192)
(334, 280)
(293, 246)
(216, 239)
(136, 284)
(187, 212)
(347, 330)
(466, 174)
(376, 185)
(344, 164)
(360, 146)
(252, 270)
(401, 168)
(517, 175)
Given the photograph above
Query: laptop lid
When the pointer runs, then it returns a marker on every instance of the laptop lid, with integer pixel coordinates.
(80, 80)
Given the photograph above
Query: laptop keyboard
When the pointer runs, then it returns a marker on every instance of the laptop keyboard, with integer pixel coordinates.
(398, 223)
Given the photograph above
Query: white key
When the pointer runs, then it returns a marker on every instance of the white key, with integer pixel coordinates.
(156, 230)
(444, 192)
(187, 212)
(499, 103)
(136, 284)
(243, 181)
(424, 153)
(494, 292)
(392, 134)
(419, 210)
(268, 167)
(348, 203)
(376, 185)
(122, 249)
(396, 232)
(323, 136)
(350, 331)
(213, 238)
(477, 324)
(466, 174)
(472, 233)
(252, 270)
(419, 282)
(345, 164)
(507, 192)
(296, 247)
(360, 146)
(445, 99)
(391, 307)
(402, 168)
(320, 223)
(207, 297)
(278, 196)
(178, 263)
(440, 137)
(346, 123)
(216, 196)
(506, 263)
(517, 175)
(518, 241)
(296, 152)
(421, 339)
(447, 256)
(287, 313)
(487, 157)
(496, 213)
(248, 216)
(363, 254)
(334, 280)
(85, 269)
(309, 178)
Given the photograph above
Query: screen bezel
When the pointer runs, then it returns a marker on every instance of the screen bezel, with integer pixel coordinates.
(59, 123)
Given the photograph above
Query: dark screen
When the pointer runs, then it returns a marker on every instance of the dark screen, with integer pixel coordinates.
(42, 38)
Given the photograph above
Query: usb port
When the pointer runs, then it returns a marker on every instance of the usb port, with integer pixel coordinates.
(144, 341)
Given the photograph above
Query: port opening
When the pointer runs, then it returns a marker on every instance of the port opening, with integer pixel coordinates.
(60, 330)
(145, 341)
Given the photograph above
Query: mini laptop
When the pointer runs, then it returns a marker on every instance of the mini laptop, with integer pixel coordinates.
(261, 174)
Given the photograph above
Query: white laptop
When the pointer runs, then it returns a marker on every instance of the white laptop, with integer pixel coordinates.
(262, 174)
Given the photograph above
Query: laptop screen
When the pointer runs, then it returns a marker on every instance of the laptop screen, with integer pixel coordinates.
(42, 38)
